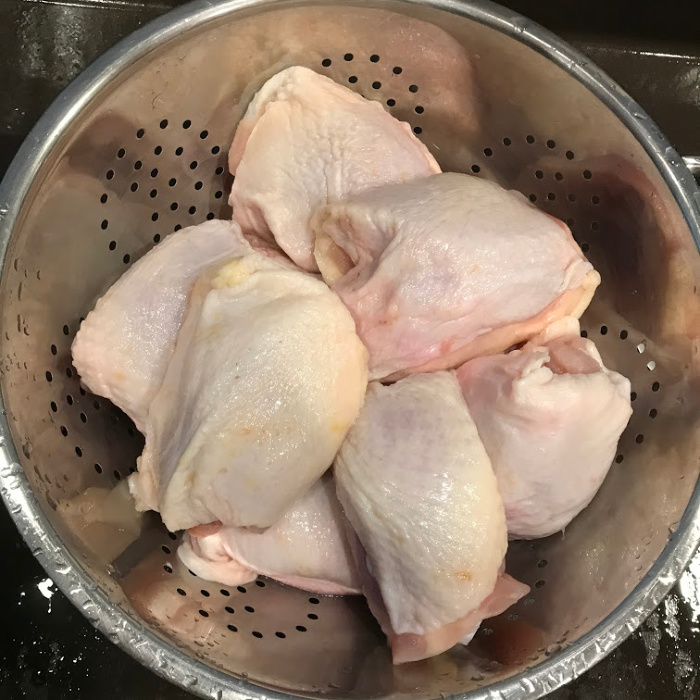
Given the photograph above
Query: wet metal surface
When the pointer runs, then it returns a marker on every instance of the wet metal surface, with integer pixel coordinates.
(47, 649)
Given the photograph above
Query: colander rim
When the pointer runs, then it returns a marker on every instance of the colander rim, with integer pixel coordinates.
(70, 577)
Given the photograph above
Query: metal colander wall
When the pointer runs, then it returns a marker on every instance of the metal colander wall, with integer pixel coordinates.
(144, 154)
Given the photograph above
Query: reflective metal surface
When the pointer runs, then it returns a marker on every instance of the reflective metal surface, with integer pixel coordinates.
(79, 206)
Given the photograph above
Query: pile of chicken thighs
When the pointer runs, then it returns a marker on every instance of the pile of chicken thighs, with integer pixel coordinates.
(369, 380)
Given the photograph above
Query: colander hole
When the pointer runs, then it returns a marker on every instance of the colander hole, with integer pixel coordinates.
(352, 79)
(163, 123)
(154, 172)
(558, 176)
(326, 62)
(397, 70)
(391, 102)
(653, 413)
(203, 613)
(166, 549)
(69, 399)
(103, 198)
(314, 601)
(257, 635)
(232, 628)
(633, 396)
(49, 376)
(240, 589)
(64, 431)
(570, 222)
(138, 165)
(78, 451)
(587, 174)
(413, 88)
(539, 174)
(639, 439)
(181, 592)
(121, 153)
(249, 608)
(117, 475)
(110, 174)
(229, 610)
(210, 216)
(203, 134)
(541, 563)
(301, 628)
(486, 631)
(570, 155)
(158, 150)
(219, 170)
(218, 194)
(177, 227)
(134, 186)
(179, 151)
(224, 592)
(168, 569)
(551, 196)
(595, 225)
(585, 247)
(376, 85)
(619, 458)
(571, 197)
(215, 149)
(83, 418)
(193, 165)
(651, 365)
(488, 152)
(174, 206)
(192, 210)
(603, 330)
(260, 584)
(507, 141)
(348, 57)
(540, 584)
(312, 616)
(69, 373)
(140, 133)
(513, 617)
(112, 245)
(655, 386)
(198, 185)
(154, 216)
(595, 199)
(476, 169)
(104, 224)
(623, 335)
(419, 109)
(153, 194)
(54, 406)
(533, 197)
(205, 592)
(281, 635)
(98, 468)
(584, 334)
(156, 238)
(66, 330)
(551, 144)
(417, 130)
(54, 350)
(172, 182)
(186, 124)
(172, 536)
(374, 58)
(641, 348)
(530, 138)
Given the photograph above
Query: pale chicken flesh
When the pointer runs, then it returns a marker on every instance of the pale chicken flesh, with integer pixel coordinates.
(418, 488)
(123, 346)
(447, 268)
(305, 141)
(550, 416)
(266, 378)
(307, 548)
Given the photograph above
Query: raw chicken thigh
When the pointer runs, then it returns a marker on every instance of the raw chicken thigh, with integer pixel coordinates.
(307, 548)
(266, 378)
(305, 141)
(419, 491)
(447, 268)
(123, 346)
(550, 416)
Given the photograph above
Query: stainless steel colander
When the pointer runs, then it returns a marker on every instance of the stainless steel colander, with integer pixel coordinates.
(136, 148)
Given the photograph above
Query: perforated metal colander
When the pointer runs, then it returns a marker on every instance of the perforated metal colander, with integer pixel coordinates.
(136, 148)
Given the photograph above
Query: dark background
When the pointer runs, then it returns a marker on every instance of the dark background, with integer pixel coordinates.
(47, 649)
